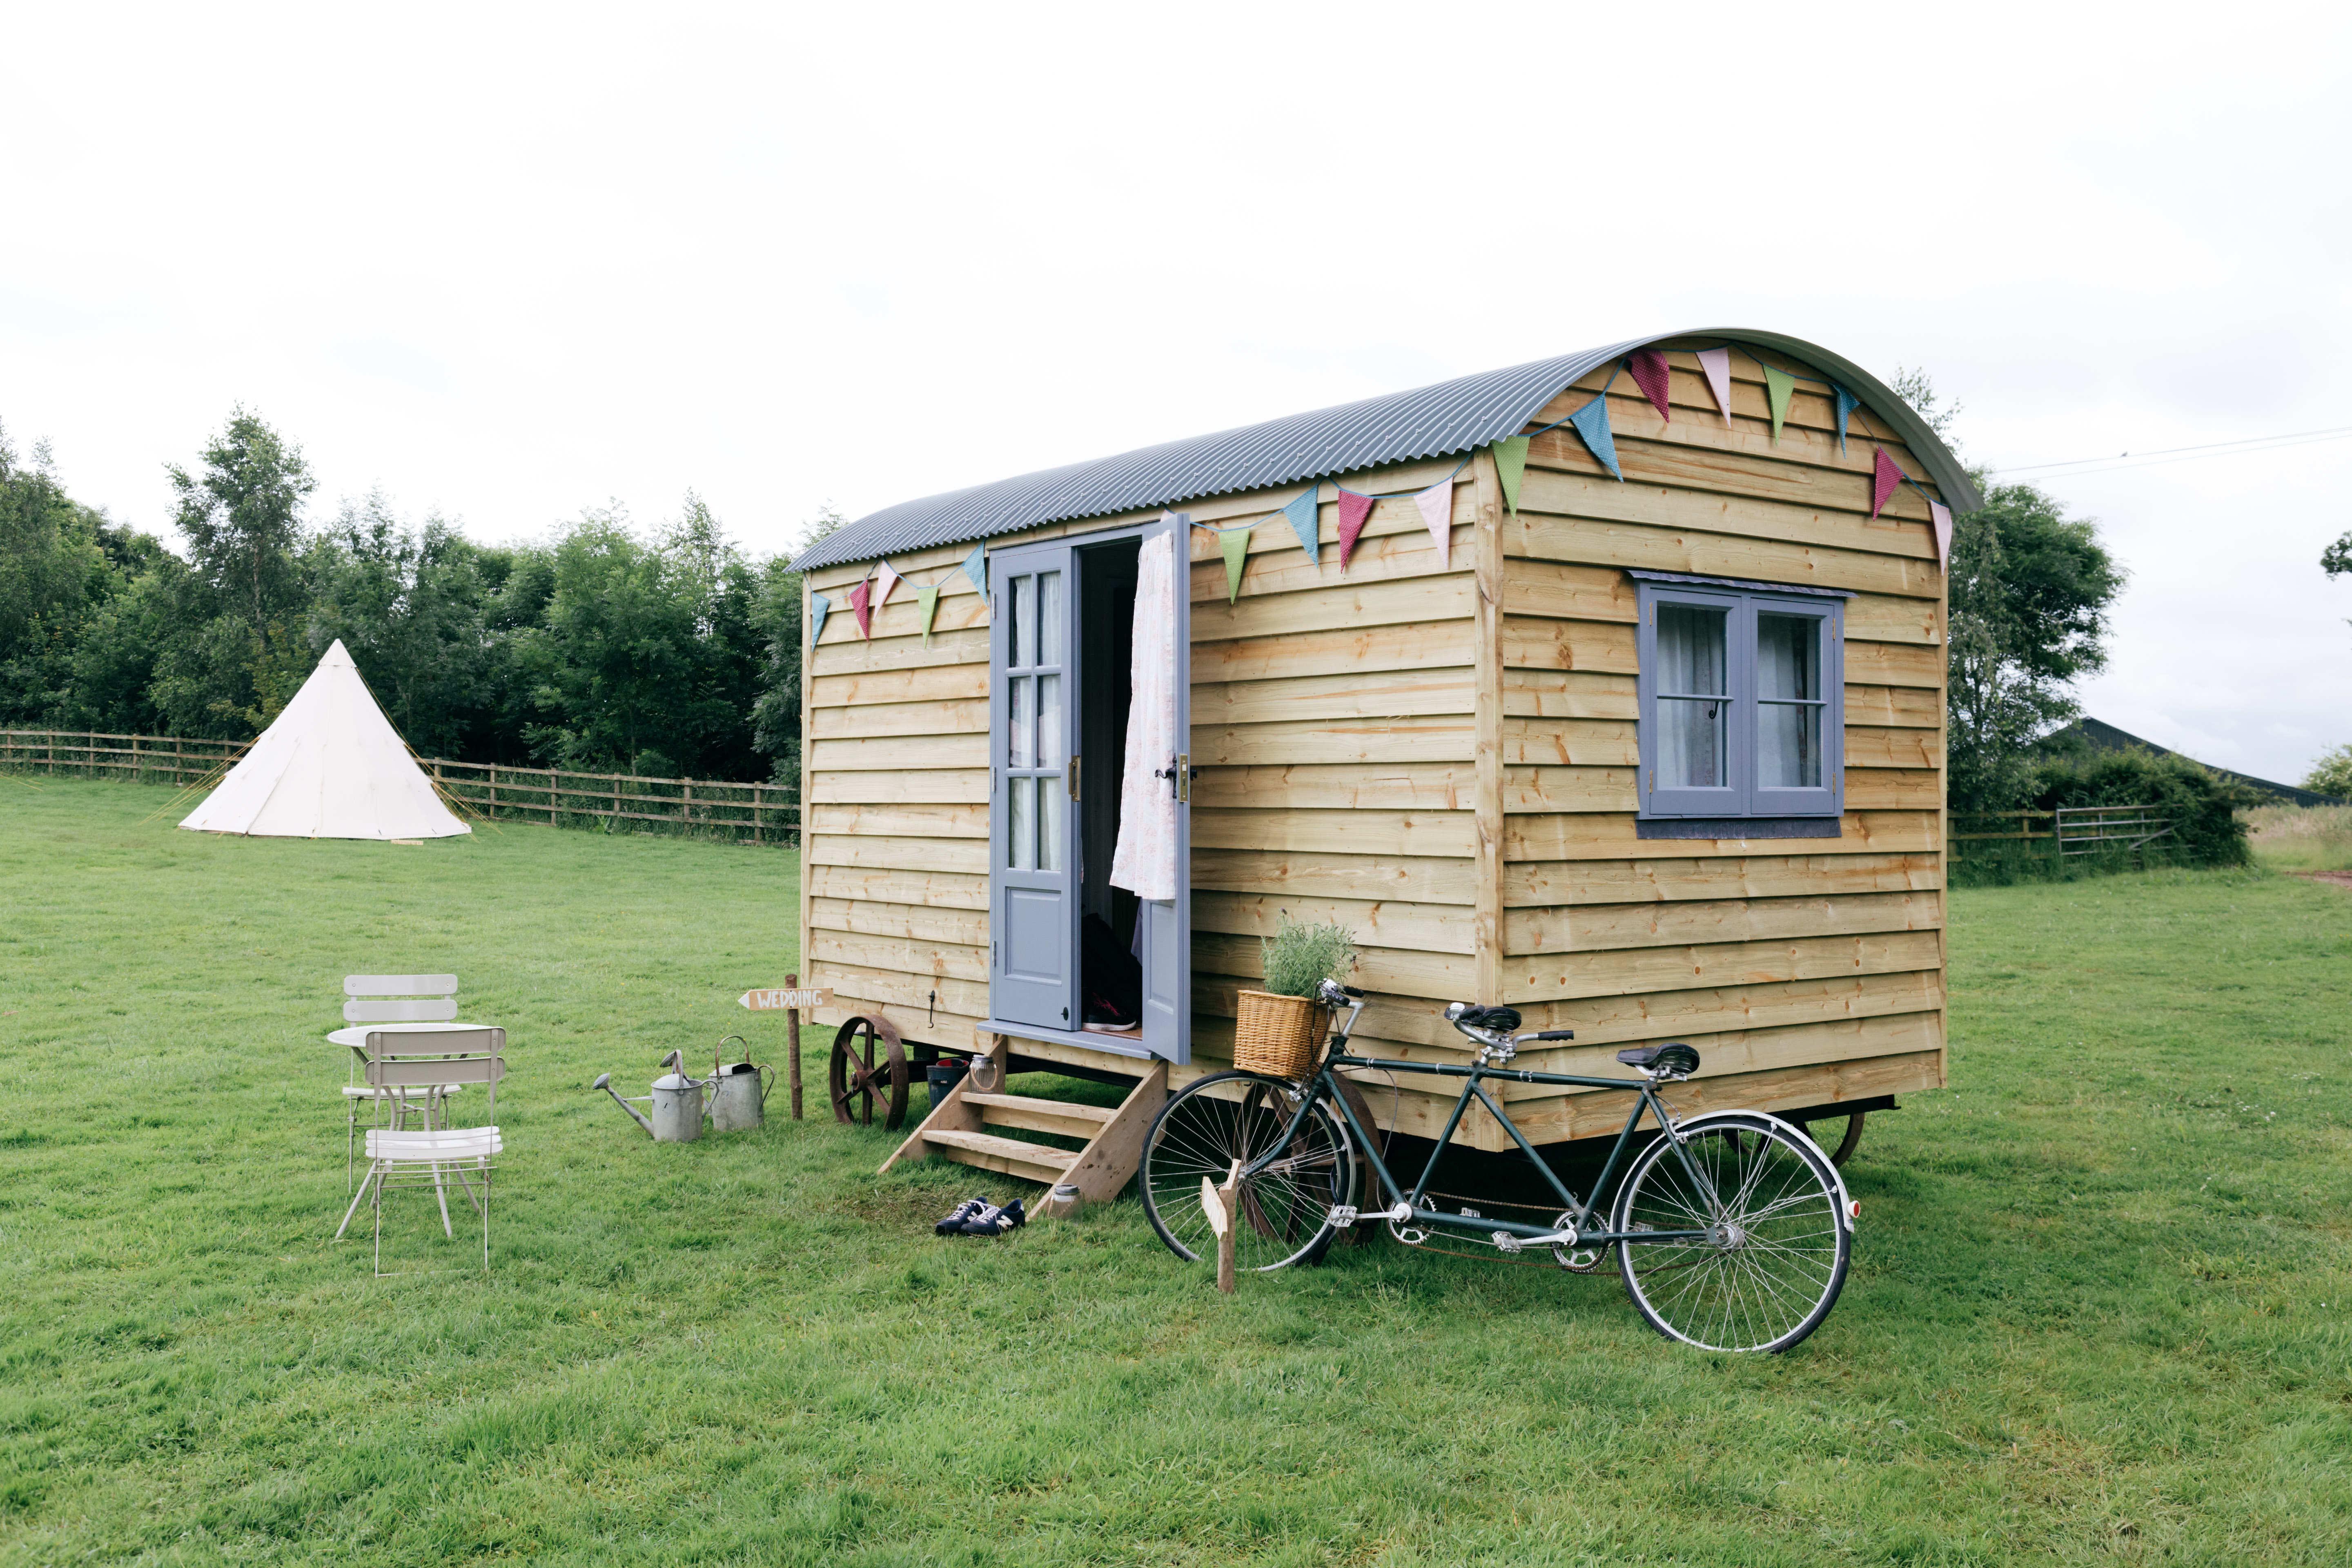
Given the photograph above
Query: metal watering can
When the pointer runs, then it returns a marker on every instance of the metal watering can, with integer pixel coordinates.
(739, 1095)
(676, 1100)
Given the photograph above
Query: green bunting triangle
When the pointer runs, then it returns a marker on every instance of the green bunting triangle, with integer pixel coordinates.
(1234, 543)
(1779, 386)
(1510, 468)
(927, 602)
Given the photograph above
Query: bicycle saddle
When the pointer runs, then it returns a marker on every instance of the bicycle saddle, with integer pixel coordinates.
(1494, 1020)
(1675, 1060)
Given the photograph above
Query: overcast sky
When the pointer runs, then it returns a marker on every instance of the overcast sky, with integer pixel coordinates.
(508, 262)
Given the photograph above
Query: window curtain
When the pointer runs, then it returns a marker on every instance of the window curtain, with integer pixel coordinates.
(1144, 862)
(1693, 737)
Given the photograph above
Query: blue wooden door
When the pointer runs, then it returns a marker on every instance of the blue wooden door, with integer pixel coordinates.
(1166, 926)
(1033, 833)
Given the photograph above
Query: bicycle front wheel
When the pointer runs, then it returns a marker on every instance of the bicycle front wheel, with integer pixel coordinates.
(1775, 1253)
(1285, 1208)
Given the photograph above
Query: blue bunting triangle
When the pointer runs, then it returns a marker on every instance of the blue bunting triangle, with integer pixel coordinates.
(975, 566)
(1301, 515)
(1591, 422)
(818, 606)
(1846, 403)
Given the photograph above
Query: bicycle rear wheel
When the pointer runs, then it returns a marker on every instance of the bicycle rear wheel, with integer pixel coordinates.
(1775, 1256)
(1285, 1208)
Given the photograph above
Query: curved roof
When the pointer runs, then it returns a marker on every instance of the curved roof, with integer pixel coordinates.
(1431, 421)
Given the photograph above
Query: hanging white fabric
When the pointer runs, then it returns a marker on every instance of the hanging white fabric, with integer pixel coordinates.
(1145, 861)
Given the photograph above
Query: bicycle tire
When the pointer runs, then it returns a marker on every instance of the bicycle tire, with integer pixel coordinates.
(1285, 1210)
(1775, 1282)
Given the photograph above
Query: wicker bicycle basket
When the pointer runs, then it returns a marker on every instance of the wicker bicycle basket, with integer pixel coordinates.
(1278, 1035)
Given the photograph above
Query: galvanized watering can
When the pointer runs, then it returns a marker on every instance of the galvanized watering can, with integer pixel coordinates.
(739, 1095)
(676, 1100)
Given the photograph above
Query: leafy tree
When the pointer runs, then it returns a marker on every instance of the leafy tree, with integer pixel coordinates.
(2337, 559)
(2332, 773)
(777, 617)
(409, 605)
(2031, 589)
(61, 563)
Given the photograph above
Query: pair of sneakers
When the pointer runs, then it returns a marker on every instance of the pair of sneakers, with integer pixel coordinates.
(978, 1216)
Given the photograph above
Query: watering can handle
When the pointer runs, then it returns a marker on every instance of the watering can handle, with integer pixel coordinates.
(767, 1082)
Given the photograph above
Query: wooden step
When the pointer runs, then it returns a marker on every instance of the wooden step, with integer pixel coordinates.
(1009, 1155)
(1071, 1120)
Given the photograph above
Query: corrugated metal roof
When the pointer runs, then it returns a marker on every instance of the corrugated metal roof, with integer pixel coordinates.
(1427, 422)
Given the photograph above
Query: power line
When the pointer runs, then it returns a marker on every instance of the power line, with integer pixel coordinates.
(2213, 448)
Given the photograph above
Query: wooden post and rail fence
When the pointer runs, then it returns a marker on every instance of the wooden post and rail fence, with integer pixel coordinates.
(2068, 830)
(752, 813)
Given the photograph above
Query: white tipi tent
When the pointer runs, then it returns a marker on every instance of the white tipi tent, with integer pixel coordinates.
(332, 767)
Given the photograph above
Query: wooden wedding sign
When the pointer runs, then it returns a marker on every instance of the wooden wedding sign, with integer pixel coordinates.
(793, 999)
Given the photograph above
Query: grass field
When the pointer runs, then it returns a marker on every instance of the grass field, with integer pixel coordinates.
(2098, 1312)
(2302, 838)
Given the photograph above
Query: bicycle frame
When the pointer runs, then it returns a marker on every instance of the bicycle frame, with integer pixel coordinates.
(1579, 1213)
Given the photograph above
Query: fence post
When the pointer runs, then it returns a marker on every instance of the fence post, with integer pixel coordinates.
(685, 806)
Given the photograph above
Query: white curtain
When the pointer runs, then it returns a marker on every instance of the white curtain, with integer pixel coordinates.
(1145, 861)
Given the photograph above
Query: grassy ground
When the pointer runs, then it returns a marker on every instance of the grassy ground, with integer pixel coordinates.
(2302, 838)
(2098, 1312)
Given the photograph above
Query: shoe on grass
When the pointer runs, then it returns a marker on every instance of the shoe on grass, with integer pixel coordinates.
(994, 1221)
(953, 1224)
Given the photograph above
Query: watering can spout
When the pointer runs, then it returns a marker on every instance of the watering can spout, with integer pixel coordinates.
(605, 1082)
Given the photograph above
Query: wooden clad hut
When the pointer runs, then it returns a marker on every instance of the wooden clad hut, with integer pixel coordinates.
(1636, 725)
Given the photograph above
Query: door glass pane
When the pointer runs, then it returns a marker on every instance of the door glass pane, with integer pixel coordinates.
(1024, 619)
(1021, 846)
(1788, 656)
(1049, 720)
(1015, 601)
(1019, 727)
(1049, 617)
(1788, 745)
(1691, 650)
(1693, 741)
(1049, 824)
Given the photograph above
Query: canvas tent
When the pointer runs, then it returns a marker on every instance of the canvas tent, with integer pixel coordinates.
(332, 767)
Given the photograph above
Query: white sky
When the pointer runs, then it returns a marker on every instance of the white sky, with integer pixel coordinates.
(510, 262)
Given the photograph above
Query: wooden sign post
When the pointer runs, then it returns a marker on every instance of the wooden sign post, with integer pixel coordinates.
(789, 1001)
(1225, 1208)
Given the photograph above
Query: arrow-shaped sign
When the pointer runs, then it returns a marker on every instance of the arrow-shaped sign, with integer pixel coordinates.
(804, 1000)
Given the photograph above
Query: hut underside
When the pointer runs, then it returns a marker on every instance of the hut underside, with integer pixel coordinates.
(1445, 760)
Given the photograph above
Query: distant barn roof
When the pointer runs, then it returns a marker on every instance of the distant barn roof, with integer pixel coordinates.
(1431, 421)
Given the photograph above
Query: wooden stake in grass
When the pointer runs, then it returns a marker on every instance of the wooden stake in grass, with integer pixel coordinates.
(1225, 1206)
(792, 1038)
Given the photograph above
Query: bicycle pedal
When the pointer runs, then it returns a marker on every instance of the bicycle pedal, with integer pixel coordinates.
(1506, 1242)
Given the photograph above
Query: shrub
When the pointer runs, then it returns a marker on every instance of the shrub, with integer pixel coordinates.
(2332, 773)
(2201, 805)
(1299, 958)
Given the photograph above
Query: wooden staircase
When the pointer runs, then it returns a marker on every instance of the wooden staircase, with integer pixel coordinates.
(957, 1130)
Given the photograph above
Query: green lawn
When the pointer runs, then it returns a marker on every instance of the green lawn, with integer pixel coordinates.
(2098, 1312)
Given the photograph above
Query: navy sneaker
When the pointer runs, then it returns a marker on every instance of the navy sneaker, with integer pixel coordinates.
(994, 1221)
(964, 1211)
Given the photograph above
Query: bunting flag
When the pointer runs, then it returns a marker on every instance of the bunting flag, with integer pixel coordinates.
(1510, 468)
(1302, 515)
(1655, 380)
(859, 604)
(818, 606)
(1942, 516)
(1717, 362)
(1436, 505)
(1846, 403)
(927, 604)
(1234, 543)
(1353, 510)
(975, 568)
(888, 578)
(1885, 476)
(1779, 386)
(1591, 422)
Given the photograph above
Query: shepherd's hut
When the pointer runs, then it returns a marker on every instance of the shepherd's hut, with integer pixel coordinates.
(1610, 687)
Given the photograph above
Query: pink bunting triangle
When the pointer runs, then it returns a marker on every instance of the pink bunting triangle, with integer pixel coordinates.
(1884, 477)
(1942, 516)
(889, 580)
(1655, 380)
(860, 602)
(1717, 362)
(1353, 512)
(1436, 505)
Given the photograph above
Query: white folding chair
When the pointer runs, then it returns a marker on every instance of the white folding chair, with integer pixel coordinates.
(400, 1157)
(393, 999)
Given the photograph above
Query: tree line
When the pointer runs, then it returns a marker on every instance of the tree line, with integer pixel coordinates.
(667, 651)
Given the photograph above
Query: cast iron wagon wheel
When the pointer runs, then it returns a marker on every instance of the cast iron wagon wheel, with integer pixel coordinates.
(1821, 1127)
(868, 1065)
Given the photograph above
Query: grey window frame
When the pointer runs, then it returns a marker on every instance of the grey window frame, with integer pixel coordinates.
(1742, 803)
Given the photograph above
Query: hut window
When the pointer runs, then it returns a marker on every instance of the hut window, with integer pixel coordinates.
(1740, 694)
